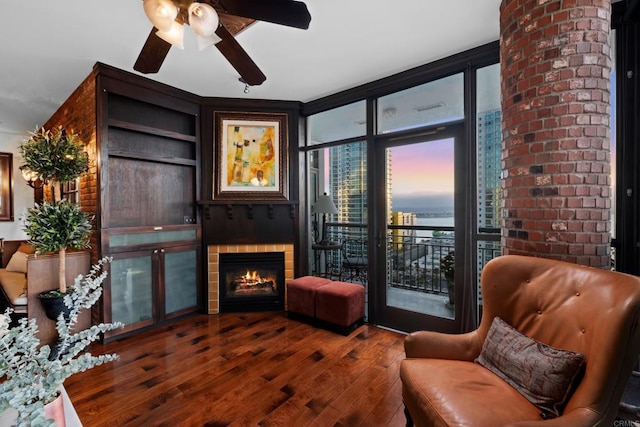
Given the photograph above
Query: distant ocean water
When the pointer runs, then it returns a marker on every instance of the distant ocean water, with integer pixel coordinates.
(441, 211)
(436, 221)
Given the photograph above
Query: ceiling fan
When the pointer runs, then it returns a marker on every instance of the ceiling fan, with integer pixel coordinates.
(214, 22)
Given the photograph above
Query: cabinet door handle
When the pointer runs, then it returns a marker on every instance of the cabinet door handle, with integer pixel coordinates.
(155, 252)
(161, 251)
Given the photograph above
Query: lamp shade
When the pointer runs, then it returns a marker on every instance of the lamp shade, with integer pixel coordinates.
(175, 35)
(325, 205)
(161, 13)
(204, 21)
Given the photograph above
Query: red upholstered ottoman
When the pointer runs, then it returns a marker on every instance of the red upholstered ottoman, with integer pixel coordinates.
(340, 303)
(301, 294)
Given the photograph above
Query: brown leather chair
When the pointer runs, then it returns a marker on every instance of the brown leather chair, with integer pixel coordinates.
(567, 306)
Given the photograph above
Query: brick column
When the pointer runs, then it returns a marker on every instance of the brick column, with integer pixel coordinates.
(555, 64)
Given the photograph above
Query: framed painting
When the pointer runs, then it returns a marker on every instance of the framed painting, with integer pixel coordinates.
(251, 156)
(6, 187)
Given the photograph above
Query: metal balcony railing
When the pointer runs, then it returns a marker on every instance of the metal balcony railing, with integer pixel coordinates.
(413, 255)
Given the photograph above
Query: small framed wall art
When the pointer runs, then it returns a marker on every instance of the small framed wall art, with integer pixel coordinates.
(6, 187)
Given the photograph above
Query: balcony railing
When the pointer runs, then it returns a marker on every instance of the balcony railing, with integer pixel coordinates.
(413, 255)
(414, 262)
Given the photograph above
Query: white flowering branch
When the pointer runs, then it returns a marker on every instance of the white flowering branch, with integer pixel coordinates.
(31, 379)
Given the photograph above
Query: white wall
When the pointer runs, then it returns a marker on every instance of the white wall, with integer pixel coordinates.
(22, 193)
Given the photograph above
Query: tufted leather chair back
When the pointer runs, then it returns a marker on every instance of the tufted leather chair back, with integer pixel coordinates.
(573, 307)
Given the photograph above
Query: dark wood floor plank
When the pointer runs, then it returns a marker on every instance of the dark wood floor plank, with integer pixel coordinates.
(258, 369)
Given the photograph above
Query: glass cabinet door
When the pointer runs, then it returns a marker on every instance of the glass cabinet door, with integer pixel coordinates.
(180, 268)
(132, 288)
(146, 287)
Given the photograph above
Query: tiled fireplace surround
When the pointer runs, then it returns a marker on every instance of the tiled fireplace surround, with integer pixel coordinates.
(213, 260)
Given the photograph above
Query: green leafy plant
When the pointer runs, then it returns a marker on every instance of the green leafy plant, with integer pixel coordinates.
(30, 378)
(448, 265)
(57, 226)
(54, 155)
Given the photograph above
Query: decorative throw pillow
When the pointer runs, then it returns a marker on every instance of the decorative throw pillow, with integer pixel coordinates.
(18, 262)
(545, 375)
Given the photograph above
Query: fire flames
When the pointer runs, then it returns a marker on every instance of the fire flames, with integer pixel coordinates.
(252, 283)
(252, 277)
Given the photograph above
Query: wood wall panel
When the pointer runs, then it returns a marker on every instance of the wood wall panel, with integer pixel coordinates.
(121, 140)
(149, 194)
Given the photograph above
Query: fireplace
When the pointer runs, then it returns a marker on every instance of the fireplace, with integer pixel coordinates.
(251, 281)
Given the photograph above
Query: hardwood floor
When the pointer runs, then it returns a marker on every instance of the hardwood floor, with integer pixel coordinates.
(244, 369)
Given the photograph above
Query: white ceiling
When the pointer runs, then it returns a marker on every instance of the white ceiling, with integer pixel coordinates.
(49, 47)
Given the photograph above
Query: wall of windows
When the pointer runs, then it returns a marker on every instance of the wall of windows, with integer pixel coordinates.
(339, 154)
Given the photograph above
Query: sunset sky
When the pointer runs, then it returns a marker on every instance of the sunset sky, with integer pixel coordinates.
(422, 174)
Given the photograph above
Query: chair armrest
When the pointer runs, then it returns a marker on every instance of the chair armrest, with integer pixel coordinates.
(435, 345)
(578, 417)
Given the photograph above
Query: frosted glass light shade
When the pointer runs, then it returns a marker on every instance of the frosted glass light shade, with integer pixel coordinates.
(175, 35)
(161, 13)
(204, 21)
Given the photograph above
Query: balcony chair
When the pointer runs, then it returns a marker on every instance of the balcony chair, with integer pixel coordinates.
(354, 261)
(577, 310)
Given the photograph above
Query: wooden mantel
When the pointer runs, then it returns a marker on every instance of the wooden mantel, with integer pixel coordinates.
(249, 221)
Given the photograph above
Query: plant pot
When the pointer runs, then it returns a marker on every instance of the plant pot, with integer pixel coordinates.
(55, 411)
(53, 305)
(451, 290)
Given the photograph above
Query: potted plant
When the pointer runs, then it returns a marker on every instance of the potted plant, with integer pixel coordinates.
(56, 226)
(55, 157)
(447, 268)
(31, 378)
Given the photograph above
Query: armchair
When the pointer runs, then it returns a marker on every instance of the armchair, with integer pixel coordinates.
(567, 306)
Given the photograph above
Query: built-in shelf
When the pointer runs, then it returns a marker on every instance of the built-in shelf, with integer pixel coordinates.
(151, 130)
(151, 158)
(247, 202)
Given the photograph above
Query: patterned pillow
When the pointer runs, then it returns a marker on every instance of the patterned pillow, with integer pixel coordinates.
(545, 375)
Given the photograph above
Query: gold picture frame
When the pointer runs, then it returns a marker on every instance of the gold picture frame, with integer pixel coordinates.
(251, 156)
(6, 187)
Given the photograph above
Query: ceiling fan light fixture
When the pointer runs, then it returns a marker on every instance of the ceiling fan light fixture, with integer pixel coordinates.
(205, 42)
(204, 21)
(161, 13)
(175, 35)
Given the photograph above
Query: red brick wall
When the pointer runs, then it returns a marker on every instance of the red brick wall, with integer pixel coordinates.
(78, 116)
(555, 64)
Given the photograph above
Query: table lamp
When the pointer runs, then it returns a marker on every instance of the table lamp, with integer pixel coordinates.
(324, 205)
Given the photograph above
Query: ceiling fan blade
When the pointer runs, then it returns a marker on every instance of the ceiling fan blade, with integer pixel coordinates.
(238, 58)
(152, 54)
(284, 12)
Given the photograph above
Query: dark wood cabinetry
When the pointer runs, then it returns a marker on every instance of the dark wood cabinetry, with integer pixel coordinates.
(149, 169)
(152, 282)
(144, 142)
(149, 150)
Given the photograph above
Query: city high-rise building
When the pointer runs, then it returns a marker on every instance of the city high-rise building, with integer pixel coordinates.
(489, 151)
(348, 182)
